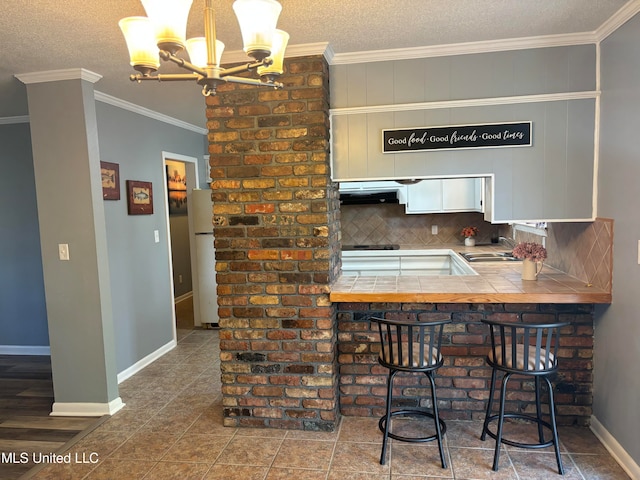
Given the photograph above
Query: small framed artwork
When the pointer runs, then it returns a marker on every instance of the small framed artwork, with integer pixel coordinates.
(177, 187)
(110, 173)
(139, 197)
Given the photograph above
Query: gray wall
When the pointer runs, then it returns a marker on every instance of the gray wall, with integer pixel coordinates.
(23, 316)
(139, 268)
(617, 348)
(552, 179)
(459, 77)
(140, 280)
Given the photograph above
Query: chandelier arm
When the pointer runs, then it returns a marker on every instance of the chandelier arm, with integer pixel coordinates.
(164, 77)
(248, 67)
(182, 63)
(251, 81)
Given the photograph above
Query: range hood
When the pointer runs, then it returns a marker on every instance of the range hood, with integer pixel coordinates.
(368, 198)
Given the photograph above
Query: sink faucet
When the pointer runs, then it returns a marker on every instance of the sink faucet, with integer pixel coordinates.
(509, 242)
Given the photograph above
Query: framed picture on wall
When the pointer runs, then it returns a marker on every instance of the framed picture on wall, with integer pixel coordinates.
(110, 173)
(139, 197)
(176, 187)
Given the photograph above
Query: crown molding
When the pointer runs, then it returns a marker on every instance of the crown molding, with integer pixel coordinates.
(628, 11)
(309, 49)
(302, 50)
(14, 120)
(465, 48)
(132, 107)
(57, 75)
(624, 14)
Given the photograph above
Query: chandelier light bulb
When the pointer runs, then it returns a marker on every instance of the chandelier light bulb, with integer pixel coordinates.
(280, 40)
(258, 20)
(197, 49)
(169, 19)
(141, 43)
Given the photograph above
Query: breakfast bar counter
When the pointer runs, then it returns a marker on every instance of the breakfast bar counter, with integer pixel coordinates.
(495, 282)
(433, 285)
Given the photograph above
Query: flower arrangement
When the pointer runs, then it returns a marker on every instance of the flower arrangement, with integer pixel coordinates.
(468, 232)
(530, 251)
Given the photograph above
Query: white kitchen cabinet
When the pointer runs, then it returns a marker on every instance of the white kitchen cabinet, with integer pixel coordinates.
(462, 194)
(424, 197)
(445, 195)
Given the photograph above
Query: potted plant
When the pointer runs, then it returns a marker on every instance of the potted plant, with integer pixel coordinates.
(468, 233)
(533, 256)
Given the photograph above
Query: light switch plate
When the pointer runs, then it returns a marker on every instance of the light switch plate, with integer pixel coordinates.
(434, 229)
(63, 251)
(156, 236)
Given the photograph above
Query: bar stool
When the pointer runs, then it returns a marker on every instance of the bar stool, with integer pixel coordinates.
(530, 350)
(412, 347)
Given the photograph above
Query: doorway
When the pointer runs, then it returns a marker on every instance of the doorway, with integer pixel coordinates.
(181, 173)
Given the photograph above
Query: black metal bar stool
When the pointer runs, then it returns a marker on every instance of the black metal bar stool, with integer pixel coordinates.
(530, 350)
(411, 347)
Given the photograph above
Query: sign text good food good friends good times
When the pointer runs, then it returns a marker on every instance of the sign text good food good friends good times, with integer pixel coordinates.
(457, 136)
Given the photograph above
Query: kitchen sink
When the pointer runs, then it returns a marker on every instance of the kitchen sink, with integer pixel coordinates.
(490, 257)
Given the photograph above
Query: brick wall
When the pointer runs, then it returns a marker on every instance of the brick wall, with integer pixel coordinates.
(463, 381)
(276, 224)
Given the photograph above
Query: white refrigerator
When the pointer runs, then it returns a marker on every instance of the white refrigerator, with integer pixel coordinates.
(203, 261)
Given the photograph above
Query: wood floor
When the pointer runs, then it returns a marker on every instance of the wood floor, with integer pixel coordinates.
(26, 397)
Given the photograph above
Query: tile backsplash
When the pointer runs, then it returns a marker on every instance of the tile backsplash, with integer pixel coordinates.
(379, 224)
(583, 250)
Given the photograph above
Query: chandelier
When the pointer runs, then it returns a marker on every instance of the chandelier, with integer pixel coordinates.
(161, 35)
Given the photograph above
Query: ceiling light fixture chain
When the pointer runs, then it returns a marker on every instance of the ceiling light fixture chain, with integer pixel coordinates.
(161, 35)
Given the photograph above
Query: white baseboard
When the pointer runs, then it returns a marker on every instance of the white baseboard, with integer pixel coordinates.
(139, 365)
(183, 297)
(615, 449)
(61, 409)
(25, 350)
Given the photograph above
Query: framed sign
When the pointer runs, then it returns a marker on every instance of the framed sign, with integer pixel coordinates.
(110, 173)
(489, 135)
(139, 197)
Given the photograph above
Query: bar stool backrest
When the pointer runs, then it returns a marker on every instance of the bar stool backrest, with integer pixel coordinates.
(521, 347)
(410, 345)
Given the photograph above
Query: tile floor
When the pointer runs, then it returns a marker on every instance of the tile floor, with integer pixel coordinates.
(171, 428)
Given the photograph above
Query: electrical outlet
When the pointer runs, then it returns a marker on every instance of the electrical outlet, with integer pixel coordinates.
(63, 251)
(179, 278)
(434, 229)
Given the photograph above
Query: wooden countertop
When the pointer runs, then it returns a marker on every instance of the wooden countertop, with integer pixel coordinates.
(496, 282)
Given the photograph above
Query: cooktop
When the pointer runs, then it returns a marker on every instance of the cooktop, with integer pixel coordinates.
(386, 246)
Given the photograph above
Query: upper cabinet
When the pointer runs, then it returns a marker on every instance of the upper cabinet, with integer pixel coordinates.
(553, 88)
(445, 195)
(424, 197)
(462, 194)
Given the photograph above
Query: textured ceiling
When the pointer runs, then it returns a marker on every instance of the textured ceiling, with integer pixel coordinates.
(40, 35)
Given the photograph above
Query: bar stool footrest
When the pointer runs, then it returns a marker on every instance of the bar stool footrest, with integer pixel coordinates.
(412, 413)
(520, 416)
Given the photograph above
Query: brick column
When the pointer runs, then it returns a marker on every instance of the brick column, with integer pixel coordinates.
(276, 223)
